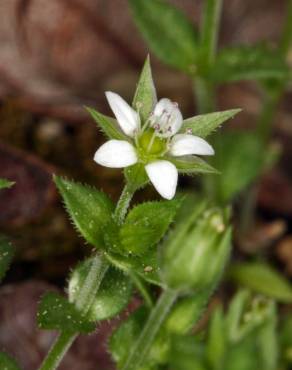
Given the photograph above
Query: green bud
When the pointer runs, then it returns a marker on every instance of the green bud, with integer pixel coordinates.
(195, 254)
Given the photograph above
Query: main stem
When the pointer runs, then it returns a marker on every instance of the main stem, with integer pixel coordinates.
(141, 348)
(87, 293)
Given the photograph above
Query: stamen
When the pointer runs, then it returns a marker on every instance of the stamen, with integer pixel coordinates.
(189, 131)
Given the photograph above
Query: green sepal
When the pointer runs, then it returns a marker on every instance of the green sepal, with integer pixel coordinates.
(89, 209)
(136, 176)
(195, 254)
(113, 294)
(108, 125)
(4, 183)
(146, 224)
(169, 33)
(145, 266)
(145, 96)
(192, 165)
(124, 338)
(256, 62)
(204, 124)
(6, 255)
(55, 312)
(7, 362)
(262, 278)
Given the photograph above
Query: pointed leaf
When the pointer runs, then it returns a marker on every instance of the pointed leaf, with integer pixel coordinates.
(262, 278)
(145, 95)
(112, 296)
(89, 209)
(204, 124)
(191, 165)
(146, 224)
(6, 255)
(145, 266)
(7, 363)
(169, 33)
(4, 184)
(256, 62)
(56, 313)
(109, 126)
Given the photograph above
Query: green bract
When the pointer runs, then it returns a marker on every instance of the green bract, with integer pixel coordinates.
(4, 184)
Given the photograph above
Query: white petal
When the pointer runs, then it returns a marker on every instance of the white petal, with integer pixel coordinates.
(183, 144)
(116, 154)
(163, 175)
(126, 116)
(168, 116)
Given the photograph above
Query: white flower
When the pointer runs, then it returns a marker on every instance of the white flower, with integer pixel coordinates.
(149, 144)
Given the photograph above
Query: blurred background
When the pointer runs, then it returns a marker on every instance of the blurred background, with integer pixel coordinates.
(57, 56)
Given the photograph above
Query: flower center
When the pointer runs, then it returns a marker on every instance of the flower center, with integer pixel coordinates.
(151, 144)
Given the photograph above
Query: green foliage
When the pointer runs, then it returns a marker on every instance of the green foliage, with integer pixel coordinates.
(89, 209)
(204, 124)
(186, 312)
(170, 35)
(6, 255)
(112, 296)
(108, 125)
(124, 338)
(7, 363)
(239, 157)
(262, 278)
(145, 266)
(55, 312)
(145, 95)
(256, 62)
(216, 345)
(192, 165)
(195, 254)
(146, 224)
(4, 184)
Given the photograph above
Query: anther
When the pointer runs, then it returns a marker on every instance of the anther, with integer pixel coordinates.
(189, 131)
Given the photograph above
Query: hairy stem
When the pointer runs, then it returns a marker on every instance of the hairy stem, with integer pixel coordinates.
(141, 348)
(87, 293)
(123, 204)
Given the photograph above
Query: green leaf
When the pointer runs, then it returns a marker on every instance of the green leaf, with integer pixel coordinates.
(6, 255)
(57, 313)
(239, 157)
(145, 266)
(108, 125)
(4, 184)
(146, 224)
(113, 295)
(123, 339)
(89, 209)
(262, 278)
(192, 165)
(204, 124)
(170, 35)
(7, 363)
(256, 62)
(145, 95)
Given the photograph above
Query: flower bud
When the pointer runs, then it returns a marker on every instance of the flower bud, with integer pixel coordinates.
(195, 254)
